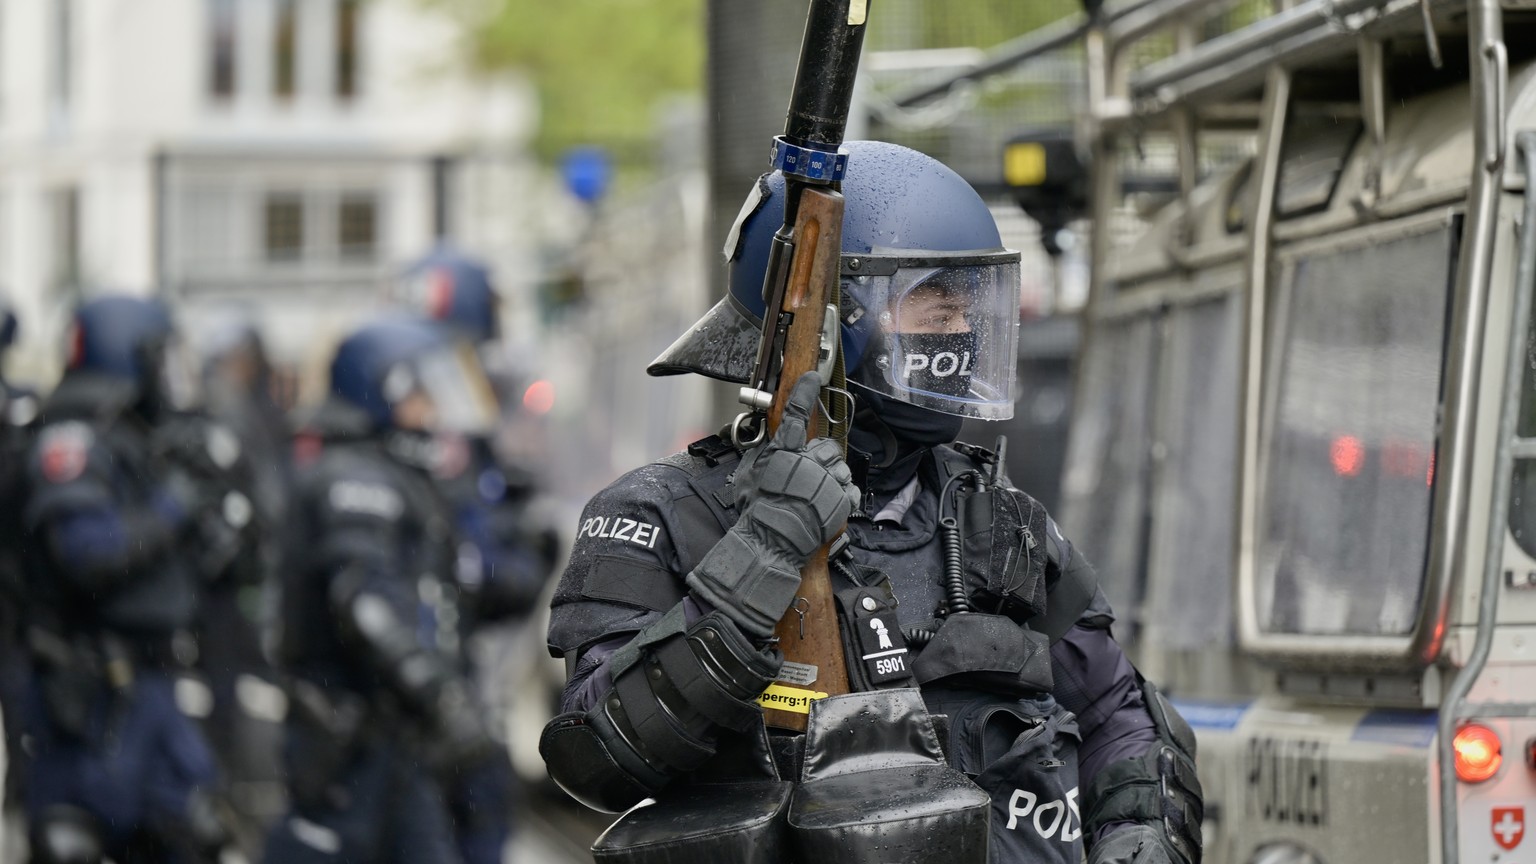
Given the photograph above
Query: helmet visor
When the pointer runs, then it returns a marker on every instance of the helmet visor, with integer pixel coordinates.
(461, 396)
(177, 381)
(944, 332)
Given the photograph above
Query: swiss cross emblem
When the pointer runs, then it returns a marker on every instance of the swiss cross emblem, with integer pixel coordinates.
(1508, 826)
(65, 450)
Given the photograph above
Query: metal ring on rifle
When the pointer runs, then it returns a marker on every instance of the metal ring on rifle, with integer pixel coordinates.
(736, 426)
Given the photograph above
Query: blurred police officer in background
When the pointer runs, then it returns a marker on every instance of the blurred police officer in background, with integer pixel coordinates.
(120, 522)
(508, 548)
(382, 716)
(18, 407)
(495, 499)
(244, 723)
(666, 610)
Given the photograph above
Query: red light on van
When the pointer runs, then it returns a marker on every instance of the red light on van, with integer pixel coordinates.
(1348, 455)
(1478, 753)
(539, 397)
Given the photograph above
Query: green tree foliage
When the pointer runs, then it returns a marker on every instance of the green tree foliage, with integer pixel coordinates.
(601, 67)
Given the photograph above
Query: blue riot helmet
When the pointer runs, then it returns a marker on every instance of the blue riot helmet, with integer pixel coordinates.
(408, 372)
(134, 340)
(456, 289)
(930, 298)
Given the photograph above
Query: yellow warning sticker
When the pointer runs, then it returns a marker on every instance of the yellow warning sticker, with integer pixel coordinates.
(782, 698)
(858, 13)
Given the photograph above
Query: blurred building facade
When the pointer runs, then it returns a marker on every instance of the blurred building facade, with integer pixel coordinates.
(281, 157)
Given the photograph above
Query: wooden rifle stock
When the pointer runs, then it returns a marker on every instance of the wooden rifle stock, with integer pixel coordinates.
(809, 633)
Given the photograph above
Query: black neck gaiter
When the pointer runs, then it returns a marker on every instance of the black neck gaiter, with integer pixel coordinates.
(890, 437)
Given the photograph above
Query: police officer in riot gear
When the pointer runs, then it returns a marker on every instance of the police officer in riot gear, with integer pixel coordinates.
(496, 498)
(382, 715)
(114, 535)
(508, 549)
(17, 409)
(682, 568)
(238, 597)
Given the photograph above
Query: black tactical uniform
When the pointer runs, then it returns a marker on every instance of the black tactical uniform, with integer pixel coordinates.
(380, 707)
(1005, 631)
(112, 541)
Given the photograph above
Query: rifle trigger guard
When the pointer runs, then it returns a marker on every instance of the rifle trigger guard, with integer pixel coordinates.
(739, 423)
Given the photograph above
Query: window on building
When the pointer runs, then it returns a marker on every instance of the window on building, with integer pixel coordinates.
(221, 31)
(284, 223)
(285, 49)
(346, 47)
(357, 225)
(62, 77)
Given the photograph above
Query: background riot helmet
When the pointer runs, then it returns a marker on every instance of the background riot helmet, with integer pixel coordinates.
(391, 366)
(455, 289)
(134, 339)
(930, 305)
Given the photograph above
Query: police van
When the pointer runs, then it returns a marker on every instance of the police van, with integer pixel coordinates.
(1303, 451)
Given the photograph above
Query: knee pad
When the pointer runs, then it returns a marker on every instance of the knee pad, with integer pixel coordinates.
(67, 835)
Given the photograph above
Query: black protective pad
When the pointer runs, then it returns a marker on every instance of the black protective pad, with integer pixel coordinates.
(875, 787)
(634, 583)
(581, 763)
(990, 652)
(708, 823)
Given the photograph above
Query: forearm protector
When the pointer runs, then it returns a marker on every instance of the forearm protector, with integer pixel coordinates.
(674, 687)
(1159, 789)
(427, 681)
(424, 679)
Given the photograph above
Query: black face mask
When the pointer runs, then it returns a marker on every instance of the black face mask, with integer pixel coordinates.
(938, 362)
(893, 436)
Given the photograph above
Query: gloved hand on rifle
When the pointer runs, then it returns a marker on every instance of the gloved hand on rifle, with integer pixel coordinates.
(793, 497)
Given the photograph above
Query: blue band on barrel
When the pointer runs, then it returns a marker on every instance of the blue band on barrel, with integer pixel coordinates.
(817, 166)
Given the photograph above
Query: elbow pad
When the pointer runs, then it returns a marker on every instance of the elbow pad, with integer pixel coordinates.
(1159, 789)
(674, 687)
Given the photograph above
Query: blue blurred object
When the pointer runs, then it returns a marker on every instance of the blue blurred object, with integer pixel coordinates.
(587, 172)
(113, 335)
(454, 288)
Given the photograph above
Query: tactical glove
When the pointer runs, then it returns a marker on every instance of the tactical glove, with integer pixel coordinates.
(793, 497)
